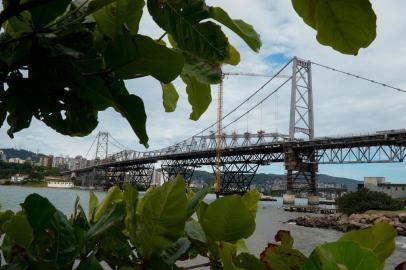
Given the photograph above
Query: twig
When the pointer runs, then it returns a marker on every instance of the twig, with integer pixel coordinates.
(197, 266)
(161, 37)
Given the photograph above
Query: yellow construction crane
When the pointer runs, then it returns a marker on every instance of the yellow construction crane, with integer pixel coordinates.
(217, 183)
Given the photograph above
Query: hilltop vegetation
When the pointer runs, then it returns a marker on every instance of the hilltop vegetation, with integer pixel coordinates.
(21, 153)
(263, 178)
(34, 172)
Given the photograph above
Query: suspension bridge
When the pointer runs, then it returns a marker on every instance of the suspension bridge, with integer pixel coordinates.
(235, 158)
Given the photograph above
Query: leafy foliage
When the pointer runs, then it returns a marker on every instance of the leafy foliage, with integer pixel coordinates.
(165, 226)
(364, 200)
(64, 61)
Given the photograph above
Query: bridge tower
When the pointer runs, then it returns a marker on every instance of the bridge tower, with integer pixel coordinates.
(102, 147)
(301, 167)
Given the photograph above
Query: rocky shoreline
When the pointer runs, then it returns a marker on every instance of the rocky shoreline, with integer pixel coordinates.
(345, 223)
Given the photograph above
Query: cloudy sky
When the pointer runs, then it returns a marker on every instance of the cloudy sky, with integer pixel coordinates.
(343, 105)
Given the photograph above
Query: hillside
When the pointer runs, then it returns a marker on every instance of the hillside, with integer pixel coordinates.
(20, 153)
(262, 178)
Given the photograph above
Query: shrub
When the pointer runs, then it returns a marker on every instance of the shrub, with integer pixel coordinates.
(164, 226)
(364, 200)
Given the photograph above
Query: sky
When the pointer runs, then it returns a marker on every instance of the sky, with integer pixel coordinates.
(342, 105)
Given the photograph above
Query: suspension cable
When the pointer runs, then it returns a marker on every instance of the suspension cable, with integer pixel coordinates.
(122, 145)
(87, 153)
(360, 77)
(256, 105)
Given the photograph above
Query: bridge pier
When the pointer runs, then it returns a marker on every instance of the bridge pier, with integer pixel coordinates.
(301, 168)
(173, 168)
(141, 176)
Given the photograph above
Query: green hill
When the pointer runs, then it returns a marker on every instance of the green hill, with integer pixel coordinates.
(262, 178)
(21, 153)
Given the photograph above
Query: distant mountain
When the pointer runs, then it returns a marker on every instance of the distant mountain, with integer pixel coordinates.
(262, 178)
(21, 153)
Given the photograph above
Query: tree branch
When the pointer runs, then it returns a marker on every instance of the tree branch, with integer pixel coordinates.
(13, 10)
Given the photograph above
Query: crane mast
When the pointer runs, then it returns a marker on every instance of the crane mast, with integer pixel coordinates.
(219, 133)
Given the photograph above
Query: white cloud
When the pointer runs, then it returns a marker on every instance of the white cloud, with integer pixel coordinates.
(342, 104)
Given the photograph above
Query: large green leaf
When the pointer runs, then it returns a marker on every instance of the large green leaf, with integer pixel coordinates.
(250, 199)
(47, 11)
(130, 198)
(136, 56)
(162, 217)
(132, 108)
(228, 219)
(114, 17)
(93, 202)
(172, 253)
(227, 253)
(380, 239)
(111, 217)
(169, 96)
(345, 25)
(4, 217)
(342, 256)
(194, 202)
(241, 28)
(181, 19)
(18, 229)
(114, 196)
(282, 258)
(39, 211)
(199, 95)
(201, 69)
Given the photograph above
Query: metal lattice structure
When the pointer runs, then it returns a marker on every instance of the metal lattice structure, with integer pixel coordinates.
(235, 158)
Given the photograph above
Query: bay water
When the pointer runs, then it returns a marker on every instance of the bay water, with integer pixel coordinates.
(270, 218)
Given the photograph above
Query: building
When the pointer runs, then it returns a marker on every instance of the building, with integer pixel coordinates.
(16, 160)
(3, 156)
(396, 191)
(157, 178)
(46, 161)
(79, 162)
(63, 162)
(17, 178)
(58, 182)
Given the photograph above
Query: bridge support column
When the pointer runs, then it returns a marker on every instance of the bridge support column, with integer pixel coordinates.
(172, 168)
(301, 171)
(236, 178)
(141, 176)
(289, 198)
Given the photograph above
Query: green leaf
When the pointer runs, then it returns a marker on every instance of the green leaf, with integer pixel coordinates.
(132, 108)
(114, 196)
(250, 200)
(380, 239)
(244, 30)
(227, 253)
(172, 253)
(282, 258)
(114, 17)
(228, 219)
(162, 217)
(48, 11)
(39, 211)
(202, 70)
(169, 96)
(342, 256)
(90, 263)
(4, 217)
(199, 95)
(345, 25)
(196, 199)
(181, 20)
(285, 238)
(234, 56)
(194, 231)
(136, 56)
(130, 198)
(15, 54)
(111, 217)
(93, 202)
(18, 229)
(248, 261)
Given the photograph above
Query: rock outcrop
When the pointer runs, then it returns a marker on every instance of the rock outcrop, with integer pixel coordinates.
(344, 223)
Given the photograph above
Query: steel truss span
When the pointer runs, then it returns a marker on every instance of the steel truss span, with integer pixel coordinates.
(242, 154)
